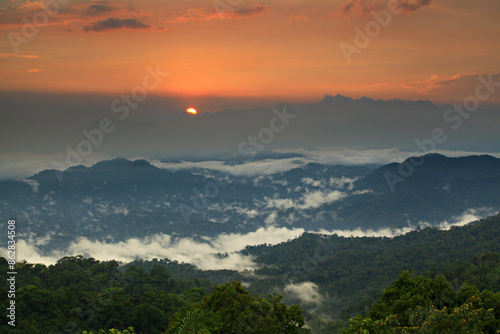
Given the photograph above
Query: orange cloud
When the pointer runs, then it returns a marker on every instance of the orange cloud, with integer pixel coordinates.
(191, 15)
(463, 84)
(31, 70)
(15, 16)
(205, 14)
(362, 8)
(412, 5)
(293, 18)
(353, 8)
(257, 10)
(115, 23)
(12, 54)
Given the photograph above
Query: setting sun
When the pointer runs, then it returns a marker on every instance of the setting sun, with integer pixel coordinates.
(191, 111)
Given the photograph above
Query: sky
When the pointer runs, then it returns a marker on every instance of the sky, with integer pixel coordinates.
(285, 49)
(363, 75)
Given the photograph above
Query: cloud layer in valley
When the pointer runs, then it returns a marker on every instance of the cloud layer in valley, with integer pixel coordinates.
(203, 251)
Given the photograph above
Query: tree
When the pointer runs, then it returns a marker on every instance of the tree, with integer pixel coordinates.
(129, 330)
(232, 309)
(425, 305)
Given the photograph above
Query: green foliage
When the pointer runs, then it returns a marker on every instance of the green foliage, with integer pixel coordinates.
(79, 294)
(129, 330)
(425, 305)
(195, 322)
(351, 271)
(232, 309)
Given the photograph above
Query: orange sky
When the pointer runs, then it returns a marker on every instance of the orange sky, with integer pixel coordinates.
(284, 48)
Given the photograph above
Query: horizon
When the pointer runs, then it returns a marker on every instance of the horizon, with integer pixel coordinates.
(115, 79)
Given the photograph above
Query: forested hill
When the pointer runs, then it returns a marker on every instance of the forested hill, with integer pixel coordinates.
(421, 248)
(332, 278)
(136, 199)
(350, 273)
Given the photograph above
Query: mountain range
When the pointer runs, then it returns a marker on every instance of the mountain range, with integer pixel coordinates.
(118, 199)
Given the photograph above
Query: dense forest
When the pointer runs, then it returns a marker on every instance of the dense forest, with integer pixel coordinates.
(453, 276)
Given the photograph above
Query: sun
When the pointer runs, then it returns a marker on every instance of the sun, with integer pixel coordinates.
(191, 111)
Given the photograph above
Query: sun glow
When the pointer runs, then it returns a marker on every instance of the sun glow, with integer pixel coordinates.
(191, 111)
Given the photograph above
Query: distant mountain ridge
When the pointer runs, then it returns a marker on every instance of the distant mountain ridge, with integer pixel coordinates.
(121, 199)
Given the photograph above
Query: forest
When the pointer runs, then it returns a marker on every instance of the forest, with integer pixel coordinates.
(427, 281)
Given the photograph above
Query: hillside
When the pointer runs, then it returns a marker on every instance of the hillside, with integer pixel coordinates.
(338, 277)
(119, 199)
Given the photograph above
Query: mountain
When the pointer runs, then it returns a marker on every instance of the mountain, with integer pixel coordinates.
(119, 199)
(335, 278)
(430, 188)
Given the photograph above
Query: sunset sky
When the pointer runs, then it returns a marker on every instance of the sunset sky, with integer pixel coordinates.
(356, 72)
(240, 48)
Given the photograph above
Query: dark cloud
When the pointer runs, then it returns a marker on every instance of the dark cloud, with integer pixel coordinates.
(256, 10)
(93, 10)
(362, 8)
(345, 8)
(412, 5)
(114, 23)
(354, 7)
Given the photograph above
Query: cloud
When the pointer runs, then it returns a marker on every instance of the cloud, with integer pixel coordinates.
(310, 200)
(115, 23)
(359, 233)
(31, 70)
(26, 56)
(307, 292)
(23, 164)
(353, 8)
(335, 130)
(310, 181)
(362, 8)
(205, 14)
(334, 156)
(294, 18)
(256, 10)
(466, 217)
(12, 54)
(191, 15)
(271, 218)
(345, 8)
(261, 167)
(315, 199)
(412, 5)
(463, 83)
(33, 184)
(203, 251)
(199, 253)
(94, 10)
